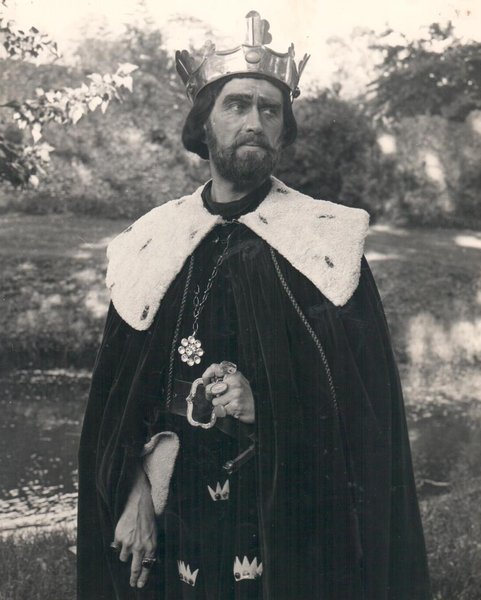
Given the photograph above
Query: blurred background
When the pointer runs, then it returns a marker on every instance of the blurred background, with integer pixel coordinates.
(91, 111)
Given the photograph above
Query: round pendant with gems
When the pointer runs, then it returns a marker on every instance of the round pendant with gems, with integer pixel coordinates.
(191, 351)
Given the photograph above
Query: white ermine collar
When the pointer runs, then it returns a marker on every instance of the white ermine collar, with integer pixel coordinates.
(322, 240)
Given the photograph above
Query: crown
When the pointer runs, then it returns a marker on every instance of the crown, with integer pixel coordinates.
(186, 574)
(247, 570)
(220, 493)
(252, 57)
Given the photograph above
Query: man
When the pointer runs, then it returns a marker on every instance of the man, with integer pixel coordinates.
(245, 435)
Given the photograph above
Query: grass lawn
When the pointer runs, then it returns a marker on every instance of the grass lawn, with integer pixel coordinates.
(54, 303)
(37, 567)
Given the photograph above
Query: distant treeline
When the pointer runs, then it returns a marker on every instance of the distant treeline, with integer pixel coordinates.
(402, 163)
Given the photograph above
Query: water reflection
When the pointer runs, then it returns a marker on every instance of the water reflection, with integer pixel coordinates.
(39, 433)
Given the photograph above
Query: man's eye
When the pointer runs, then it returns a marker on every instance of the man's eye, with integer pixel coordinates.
(236, 106)
(270, 110)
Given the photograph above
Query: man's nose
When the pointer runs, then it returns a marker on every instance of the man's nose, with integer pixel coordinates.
(253, 120)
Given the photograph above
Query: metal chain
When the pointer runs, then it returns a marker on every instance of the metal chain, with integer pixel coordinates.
(332, 389)
(199, 304)
(310, 330)
(170, 376)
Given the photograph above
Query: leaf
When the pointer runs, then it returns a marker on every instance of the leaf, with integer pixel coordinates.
(94, 103)
(36, 132)
(127, 83)
(104, 106)
(34, 180)
(44, 152)
(76, 113)
(126, 68)
(95, 77)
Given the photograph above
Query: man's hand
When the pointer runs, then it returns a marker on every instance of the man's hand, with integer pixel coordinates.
(136, 531)
(237, 400)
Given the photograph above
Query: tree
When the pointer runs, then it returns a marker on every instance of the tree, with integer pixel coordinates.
(336, 156)
(435, 75)
(23, 161)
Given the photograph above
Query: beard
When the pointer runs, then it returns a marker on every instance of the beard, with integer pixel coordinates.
(245, 171)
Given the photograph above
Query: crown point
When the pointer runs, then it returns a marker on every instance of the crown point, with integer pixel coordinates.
(251, 56)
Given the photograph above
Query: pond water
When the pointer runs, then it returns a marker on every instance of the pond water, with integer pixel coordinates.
(42, 413)
(39, 434)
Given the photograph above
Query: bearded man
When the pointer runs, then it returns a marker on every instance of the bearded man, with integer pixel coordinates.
(245, 435)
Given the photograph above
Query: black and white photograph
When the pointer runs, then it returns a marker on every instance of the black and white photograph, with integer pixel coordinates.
(240, 296)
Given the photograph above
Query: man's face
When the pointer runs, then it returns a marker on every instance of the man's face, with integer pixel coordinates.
(244, 131)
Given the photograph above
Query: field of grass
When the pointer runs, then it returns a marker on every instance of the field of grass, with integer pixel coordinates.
(37, 567)
(54, 302)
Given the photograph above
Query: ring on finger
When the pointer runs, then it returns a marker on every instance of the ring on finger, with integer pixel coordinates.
(115, 546)
(149, 561)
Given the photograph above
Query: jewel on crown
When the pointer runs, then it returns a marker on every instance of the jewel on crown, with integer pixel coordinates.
(252, 56)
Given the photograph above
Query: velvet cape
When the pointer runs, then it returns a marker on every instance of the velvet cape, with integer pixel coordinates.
(337, 506)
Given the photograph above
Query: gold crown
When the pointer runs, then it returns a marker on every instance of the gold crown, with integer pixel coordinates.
(252, 57)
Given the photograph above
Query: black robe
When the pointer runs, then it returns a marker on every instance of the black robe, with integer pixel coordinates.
(336, 503)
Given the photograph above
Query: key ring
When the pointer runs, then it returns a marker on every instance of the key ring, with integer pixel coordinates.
(190, 408)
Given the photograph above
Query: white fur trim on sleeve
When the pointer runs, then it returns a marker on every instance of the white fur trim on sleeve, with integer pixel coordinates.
(159, 455)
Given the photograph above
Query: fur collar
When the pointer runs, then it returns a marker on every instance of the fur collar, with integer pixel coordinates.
(322, 240)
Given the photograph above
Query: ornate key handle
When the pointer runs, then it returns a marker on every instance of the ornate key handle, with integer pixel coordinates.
(219, 387)
(190, 407)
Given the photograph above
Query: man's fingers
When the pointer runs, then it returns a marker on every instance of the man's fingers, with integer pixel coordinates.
(124, 553)
(233, 409)
(135, 568)
(214, 370)
(144, 575)
(223, 399)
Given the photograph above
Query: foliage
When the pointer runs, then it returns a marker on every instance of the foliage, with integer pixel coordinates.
(20, 162)
(353, 62)
(127, 161)
(435, 176)
(434, 75)
(336, 156)
(23, 45)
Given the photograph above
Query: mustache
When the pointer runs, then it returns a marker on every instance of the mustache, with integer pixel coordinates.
(259, 139)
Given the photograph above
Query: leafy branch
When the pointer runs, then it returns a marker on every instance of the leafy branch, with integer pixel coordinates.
(22, 163)
(436, 75)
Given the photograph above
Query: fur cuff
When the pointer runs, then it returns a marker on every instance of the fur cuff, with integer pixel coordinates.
(159, 460)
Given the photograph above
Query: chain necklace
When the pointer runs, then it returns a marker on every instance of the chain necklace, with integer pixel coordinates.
(190, 348)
